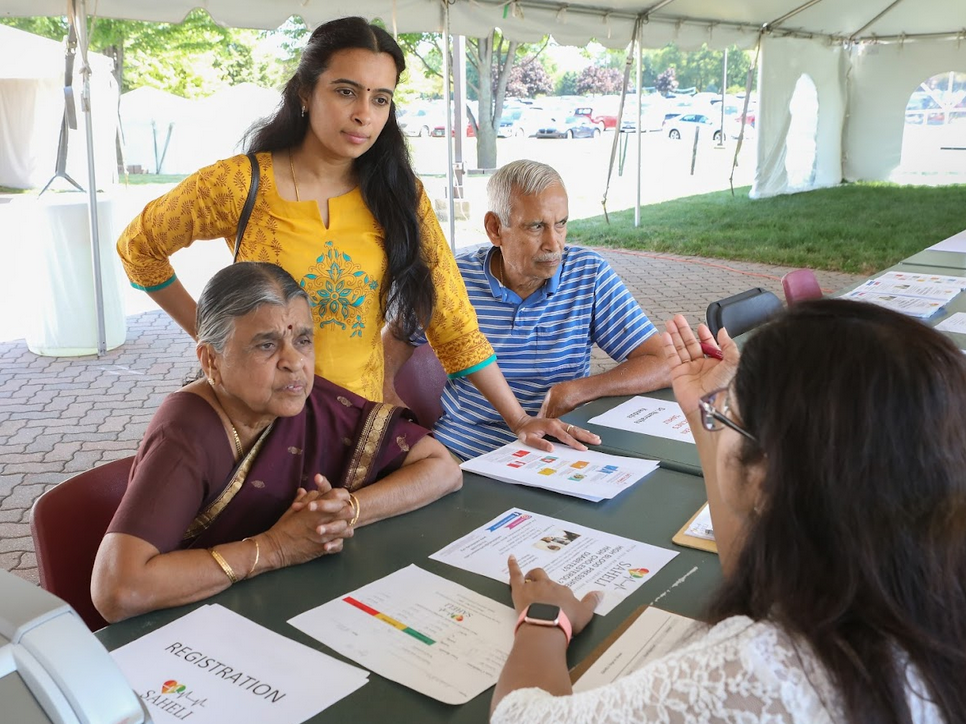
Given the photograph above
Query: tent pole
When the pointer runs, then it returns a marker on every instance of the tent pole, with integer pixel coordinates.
(77, 13)
(447, 98)
(640, 136)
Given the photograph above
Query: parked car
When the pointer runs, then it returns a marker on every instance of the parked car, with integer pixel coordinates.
(598, 116)
(418, 121)
(684, 126)
(571, 127)
(520, 121)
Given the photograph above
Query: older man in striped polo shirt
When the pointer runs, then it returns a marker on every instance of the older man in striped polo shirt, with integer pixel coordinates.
(543, 306)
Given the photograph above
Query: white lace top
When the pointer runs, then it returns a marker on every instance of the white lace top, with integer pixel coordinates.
(739, 671)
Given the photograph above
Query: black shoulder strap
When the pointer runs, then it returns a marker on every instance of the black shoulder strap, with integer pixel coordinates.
(247, 209)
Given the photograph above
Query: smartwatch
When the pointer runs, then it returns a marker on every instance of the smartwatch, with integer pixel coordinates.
(545, 614)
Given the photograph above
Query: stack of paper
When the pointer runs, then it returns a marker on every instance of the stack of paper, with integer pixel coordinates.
(215, 666)
(648, 416)
(918, 295)
(589, 475)
(579, 557)
(651, 635)
(418, 629)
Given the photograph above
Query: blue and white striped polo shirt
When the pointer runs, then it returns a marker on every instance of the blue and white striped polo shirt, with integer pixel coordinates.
(540, 341)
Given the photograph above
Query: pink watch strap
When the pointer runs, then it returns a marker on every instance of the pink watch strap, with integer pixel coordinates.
(563, 623)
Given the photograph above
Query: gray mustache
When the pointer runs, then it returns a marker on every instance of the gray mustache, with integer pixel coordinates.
(547, 257)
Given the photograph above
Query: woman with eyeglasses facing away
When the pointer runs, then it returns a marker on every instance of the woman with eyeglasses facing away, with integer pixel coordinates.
(834, 456)
(340, 209)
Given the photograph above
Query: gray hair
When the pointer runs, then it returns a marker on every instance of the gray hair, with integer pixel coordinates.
(237, 290)
(528, 177)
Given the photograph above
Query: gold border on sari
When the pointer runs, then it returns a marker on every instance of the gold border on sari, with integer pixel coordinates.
(367, 449)
(208, 516)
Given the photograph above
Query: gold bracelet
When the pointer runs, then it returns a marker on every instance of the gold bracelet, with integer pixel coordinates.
(356, 509)
(255, 563)
(224, 565)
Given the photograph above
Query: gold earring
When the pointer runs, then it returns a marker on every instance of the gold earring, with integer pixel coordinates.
(211, 382)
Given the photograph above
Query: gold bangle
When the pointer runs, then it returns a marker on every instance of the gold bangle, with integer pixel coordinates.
(219, 559)
(255, 562)
(356, 508)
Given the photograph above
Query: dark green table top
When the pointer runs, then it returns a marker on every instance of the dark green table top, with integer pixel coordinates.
(674, 455)
(652, 511)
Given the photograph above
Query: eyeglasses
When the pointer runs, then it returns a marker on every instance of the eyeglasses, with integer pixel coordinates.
(714, 414)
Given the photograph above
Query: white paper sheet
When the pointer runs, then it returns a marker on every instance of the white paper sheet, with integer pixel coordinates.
(589, 475)
(701, 526)
(957, 242)
(923, 289)
(648, 416)
(582, 558)
(213, 666)
(652, 635)
(919, 278)
(919, 308)
(421, 630)
(953, 323)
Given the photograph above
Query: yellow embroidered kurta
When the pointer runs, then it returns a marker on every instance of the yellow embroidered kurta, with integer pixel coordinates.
(341, 266)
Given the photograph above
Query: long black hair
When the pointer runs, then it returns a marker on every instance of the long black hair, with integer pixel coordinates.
(860, 544)
(384, 172)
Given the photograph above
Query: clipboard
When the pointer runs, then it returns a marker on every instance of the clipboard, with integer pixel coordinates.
(689, 541)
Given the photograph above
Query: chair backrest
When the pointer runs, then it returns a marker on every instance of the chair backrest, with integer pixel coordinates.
(742, 312)
(420, 384)
(67, 524)
(799, 285)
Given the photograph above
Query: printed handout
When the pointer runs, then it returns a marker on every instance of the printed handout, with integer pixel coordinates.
(420, 630)
(589, 475)
(918, 307)
(648, 416)
(582, 558)
(701, 526)
(653, 634)
(213, 666)
(953, 323)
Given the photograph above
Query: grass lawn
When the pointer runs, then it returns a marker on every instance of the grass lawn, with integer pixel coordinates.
(857, 228)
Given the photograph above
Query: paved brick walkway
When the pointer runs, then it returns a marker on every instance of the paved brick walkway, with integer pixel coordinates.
(60, 416)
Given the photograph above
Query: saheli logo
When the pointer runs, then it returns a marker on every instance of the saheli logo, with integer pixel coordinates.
(172, 687)
(637, 572)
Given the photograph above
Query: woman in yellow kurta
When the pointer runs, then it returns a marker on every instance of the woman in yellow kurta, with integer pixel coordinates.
(339, 208)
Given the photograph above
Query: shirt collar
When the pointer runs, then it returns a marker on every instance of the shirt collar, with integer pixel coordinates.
(505, 294)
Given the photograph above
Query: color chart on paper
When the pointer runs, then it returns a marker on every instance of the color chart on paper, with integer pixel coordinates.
(391, 621)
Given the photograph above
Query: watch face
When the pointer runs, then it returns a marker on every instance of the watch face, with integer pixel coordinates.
(543, 612)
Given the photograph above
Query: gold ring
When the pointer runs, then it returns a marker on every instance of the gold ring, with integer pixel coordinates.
(527, 580)
(569, 428)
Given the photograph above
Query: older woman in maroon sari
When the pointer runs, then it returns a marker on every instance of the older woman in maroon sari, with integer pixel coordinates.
(259, 465)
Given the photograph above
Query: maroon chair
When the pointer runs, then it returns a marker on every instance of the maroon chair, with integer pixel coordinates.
(800, 285)
(67, 524)
(420, 384)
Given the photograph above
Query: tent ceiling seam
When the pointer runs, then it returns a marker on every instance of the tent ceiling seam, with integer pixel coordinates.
(793, 13)
(878, 17)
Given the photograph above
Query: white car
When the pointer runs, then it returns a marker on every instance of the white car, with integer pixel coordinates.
(418, 121)
(684, 127)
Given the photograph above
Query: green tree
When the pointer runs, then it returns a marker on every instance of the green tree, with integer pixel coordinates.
(192, 58)
(567, 85)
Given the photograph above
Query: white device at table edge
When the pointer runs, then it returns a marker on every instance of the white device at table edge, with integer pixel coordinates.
(52, 668)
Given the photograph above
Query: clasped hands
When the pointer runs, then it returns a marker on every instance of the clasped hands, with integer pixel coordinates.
(315, 524)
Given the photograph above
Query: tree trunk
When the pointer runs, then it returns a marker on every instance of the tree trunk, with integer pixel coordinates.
(490, 97)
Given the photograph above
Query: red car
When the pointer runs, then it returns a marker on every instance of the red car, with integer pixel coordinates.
(597, 116)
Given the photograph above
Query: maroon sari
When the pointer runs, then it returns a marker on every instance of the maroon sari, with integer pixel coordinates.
(186, 491)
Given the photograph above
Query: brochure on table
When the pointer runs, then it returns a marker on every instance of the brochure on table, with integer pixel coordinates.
(590, 475)
(955, 323)
(651, 635)
(918, 295)
(214, 666)
(420, 630)
(582, 558)
(648, 416)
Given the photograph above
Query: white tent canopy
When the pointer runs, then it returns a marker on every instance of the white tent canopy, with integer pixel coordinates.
(32, 107)
(864, 56)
